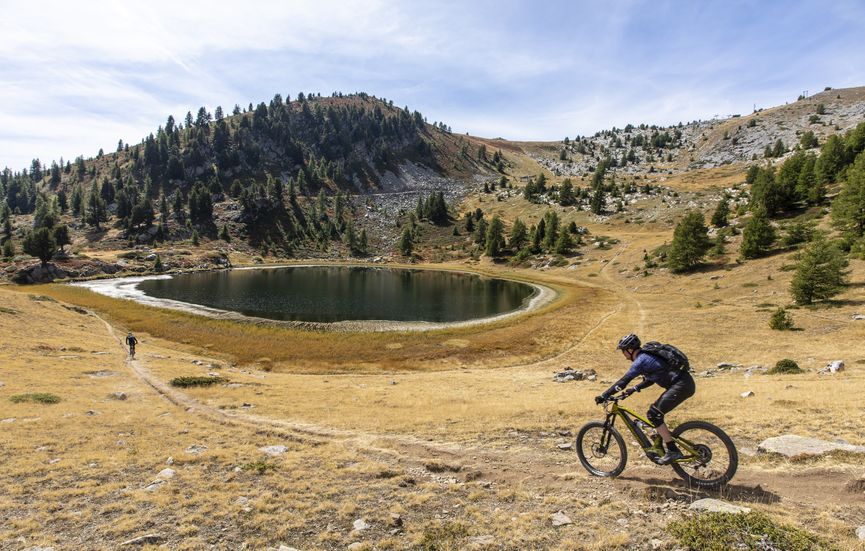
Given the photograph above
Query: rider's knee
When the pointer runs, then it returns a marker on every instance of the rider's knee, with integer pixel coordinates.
(655, 415)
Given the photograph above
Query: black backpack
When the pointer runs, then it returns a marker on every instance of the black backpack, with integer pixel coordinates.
(669, 354)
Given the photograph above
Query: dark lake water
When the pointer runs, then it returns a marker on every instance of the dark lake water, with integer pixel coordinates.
(331, 293)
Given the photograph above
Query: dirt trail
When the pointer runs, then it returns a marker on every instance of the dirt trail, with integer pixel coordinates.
(530, 465)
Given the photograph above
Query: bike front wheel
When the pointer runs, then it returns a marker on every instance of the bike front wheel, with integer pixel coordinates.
(601, 449)
(710, 459)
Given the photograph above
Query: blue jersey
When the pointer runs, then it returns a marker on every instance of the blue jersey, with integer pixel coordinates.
(654, 369)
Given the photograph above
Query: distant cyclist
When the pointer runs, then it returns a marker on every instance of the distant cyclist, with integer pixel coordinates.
(679, 385)
(131, 341)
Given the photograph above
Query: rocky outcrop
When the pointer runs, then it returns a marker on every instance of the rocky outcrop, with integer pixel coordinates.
(792, 446)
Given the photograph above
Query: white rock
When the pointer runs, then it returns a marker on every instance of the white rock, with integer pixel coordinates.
(836, 366)
(142, 540)
(559, 518)
(273, 451)
(287, 548)
(709, 505)
(791, 445)
(166, 474)
(860, 532)
(360, 525)
(169, 461)
(196, 449)
(565, 446)
(747, 394)
(153, 486)
(858, 317)
(656, 543)
(8, 420)
(118, 396)
(355, 546)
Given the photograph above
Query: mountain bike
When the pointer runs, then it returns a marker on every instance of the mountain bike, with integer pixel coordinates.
(710, 457)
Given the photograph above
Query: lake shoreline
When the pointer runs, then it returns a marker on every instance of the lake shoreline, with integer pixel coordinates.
(126, 288)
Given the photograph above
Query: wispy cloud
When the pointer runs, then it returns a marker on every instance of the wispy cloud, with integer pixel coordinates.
(79, 76)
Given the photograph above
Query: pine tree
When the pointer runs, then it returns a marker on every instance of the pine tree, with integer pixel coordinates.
(819, 274)
(224, 235)
(848, 209)
(719, 217)
(566, 193)
(40, 243)
(405, 242)
(61, 236)
(598, 200)
(564, 244)
(757, 236)
(8, 249)
(77, 201)
(96, 209)
(551, 230)
(690, 243)
(495, 238)
(519, 235)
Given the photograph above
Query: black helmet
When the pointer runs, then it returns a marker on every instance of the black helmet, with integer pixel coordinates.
(629, 342)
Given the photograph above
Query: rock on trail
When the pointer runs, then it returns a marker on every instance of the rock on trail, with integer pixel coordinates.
(709, 505)
(790, 445)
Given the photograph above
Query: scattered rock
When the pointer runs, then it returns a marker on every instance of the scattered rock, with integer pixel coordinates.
(856, 486)
(559, 518)
(790, 445)
(480, 541)
(728, 365)
(356, 546)
(148, 539)
(360, 525)
(747, 394)
(8, 420)
(91, 413)
(396, 520)
(273, 451)
(166, 474)
(2, 384)
(860, 532)
(153, 486)
(287, 548)
(100, 373)
(565, 446)
(169, 461)
(118, 396)
(833, 367)
(656, 543)
(709, 505)
(570, 374)
(196, 449)
(858, 317)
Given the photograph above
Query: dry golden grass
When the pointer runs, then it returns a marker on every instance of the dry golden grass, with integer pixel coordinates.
(418, 424)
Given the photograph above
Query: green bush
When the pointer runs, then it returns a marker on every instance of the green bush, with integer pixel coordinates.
(36, 397)
(185, 382)
(781, 320)
(786, 366)
(751, 531)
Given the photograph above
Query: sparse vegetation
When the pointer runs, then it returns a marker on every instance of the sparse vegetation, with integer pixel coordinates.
(751, 531)
(785, 366)
(191, 381)
(36, 398)
(781, 320)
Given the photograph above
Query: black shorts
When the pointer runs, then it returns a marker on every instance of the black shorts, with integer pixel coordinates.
(681, 390)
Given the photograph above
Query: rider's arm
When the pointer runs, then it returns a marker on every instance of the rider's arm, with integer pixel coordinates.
(645, 383)
(622, 383)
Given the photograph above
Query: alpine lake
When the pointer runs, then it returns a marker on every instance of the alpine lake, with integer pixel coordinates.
(328, 294)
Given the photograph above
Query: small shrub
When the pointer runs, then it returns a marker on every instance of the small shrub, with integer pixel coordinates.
(186, 382)
(781, 320)
(751, 531)
(786, 366)
(259, 467)
(36, 397)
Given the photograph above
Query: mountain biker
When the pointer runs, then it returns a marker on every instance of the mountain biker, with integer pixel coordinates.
(131, 341)
(678, 383)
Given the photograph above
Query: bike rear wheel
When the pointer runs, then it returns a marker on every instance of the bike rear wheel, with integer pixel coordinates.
(601, 449)
(714, 459)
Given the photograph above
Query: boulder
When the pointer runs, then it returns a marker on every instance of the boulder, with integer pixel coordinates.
(833, 367)
(860, 532)
(360, 525)
(273, 451)
(790, 445)
(709, 505)
(166, 474)
(747, 394)
(559, 518)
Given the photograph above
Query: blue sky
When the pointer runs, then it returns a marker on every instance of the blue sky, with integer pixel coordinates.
(78, 76)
